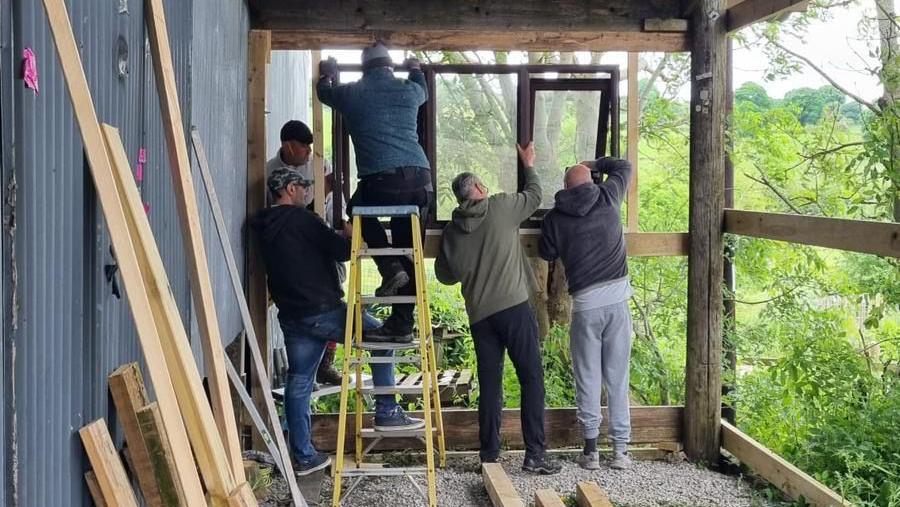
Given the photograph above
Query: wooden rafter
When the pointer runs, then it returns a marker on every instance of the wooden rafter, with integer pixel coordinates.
(745, 12)
(639, 244)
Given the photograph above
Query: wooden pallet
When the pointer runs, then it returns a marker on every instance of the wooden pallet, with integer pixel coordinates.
(453, 384)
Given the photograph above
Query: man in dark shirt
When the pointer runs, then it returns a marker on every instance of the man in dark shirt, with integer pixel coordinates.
(301, 254)
(380, 112)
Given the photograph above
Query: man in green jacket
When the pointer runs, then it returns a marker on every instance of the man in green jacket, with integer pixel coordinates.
(481, 250)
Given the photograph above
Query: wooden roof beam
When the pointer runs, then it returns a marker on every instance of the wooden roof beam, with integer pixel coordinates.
(745, 12)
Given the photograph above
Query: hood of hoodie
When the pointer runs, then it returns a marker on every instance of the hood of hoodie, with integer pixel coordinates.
(578, 201)
(270, 221)
(469, 215)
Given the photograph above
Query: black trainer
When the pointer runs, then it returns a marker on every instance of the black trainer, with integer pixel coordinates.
(318, 462)
(541, 465)
(387, 334)
(392, 283)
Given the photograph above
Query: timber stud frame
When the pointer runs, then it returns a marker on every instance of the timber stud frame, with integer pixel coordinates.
(698, 26)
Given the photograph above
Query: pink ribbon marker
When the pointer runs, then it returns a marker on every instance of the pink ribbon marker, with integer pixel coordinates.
(29, 70)
(139, 172)
(147, 208)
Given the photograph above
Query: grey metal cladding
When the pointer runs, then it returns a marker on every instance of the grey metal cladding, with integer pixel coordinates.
(72, 331)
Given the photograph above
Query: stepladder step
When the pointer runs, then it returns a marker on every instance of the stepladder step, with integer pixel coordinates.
(384, 252)
(387, 345)
(373, 433)
(388, 300)
(386, 360)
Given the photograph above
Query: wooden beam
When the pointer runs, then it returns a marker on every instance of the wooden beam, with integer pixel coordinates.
(258, 364)
(110, 473)
(475, 15)
(94, 488)
(589, 494)
(257, 292)
(665, 25)
(129, 395)
(129, 268)
(633, 134)
(318, 140)
(649, 425)
(196, 412)
(703, 372)
(776, 470)
(159, 450)
(864, 236)
(638, 244)
(499, 487)
(547, 498)
(192, 236)
(752, 11)
(462, 40)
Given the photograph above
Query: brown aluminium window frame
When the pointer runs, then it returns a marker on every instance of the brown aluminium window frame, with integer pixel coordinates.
(528, 75)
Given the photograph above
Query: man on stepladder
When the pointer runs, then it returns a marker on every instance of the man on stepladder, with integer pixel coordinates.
(301, 254)
(481, 250)
(381, 112)
(584, 230)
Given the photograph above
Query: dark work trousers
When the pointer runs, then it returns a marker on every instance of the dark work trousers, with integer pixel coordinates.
(516, 331)
(401, 186)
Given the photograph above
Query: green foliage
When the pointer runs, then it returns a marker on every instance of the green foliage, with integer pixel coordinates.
(813, 103)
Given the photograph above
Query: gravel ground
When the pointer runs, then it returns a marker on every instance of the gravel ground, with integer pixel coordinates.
(649, 483)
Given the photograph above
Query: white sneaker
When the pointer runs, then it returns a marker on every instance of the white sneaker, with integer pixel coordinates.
(588, 461)
(621, 461)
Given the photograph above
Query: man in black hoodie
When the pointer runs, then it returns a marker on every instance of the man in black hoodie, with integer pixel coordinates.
(584, 229)
(301, 254)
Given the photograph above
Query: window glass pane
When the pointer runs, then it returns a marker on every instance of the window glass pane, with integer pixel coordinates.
(476, 132)
(565, 133)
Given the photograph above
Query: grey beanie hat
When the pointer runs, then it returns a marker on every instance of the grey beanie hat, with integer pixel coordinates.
(376, 55)
(284, 176)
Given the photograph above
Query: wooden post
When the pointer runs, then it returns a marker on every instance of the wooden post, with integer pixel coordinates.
(634, 117)
(703, 392)
(257, 294)
(729, 326)
(318, 141)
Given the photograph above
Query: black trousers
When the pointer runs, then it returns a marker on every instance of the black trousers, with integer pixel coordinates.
(514, 330)
(401, 186)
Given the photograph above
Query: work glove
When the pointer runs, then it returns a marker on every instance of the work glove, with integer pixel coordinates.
(328, 68)
(412, 63)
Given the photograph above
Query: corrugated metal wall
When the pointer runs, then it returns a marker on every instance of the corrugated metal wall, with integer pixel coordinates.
(287, 94)
(71, 330)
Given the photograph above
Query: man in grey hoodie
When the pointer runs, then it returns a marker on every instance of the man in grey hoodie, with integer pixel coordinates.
(584, 229)
(481, 249)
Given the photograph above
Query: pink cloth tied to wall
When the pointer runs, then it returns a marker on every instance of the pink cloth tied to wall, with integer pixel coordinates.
(139, 172)
(29, 70)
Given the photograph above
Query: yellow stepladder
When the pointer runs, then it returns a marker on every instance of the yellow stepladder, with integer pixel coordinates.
(357, 359)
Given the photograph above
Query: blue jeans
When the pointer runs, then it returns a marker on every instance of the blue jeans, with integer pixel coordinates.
(305, 340)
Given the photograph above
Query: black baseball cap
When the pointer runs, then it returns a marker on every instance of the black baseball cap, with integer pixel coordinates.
(296, 130)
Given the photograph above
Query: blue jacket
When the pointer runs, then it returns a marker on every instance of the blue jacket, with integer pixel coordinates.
(380, 111)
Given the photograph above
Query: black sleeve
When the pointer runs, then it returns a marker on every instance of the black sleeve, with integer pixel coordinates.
(618, 173)
(547, 245)
(329, 241)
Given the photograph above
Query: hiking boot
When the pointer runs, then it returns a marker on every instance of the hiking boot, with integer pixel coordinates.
(541, 465)
(397, 420)
(589, 461)
(393, 281)
(307, 466)
(326, 373)
(387, 333)
(621, 461)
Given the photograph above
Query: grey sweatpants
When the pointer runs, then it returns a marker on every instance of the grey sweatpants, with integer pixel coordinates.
(600, 341)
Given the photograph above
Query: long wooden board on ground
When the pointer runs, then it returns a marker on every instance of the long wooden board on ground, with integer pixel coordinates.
(499, 487)
(864, 236)
(590, 494)
(198, 417)
(649, 425)
(776, 470)
(129, 396)
(111, 477)
(258, 364)
(113, 213)
(160, 452)
(195, 252)
(547, 498)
